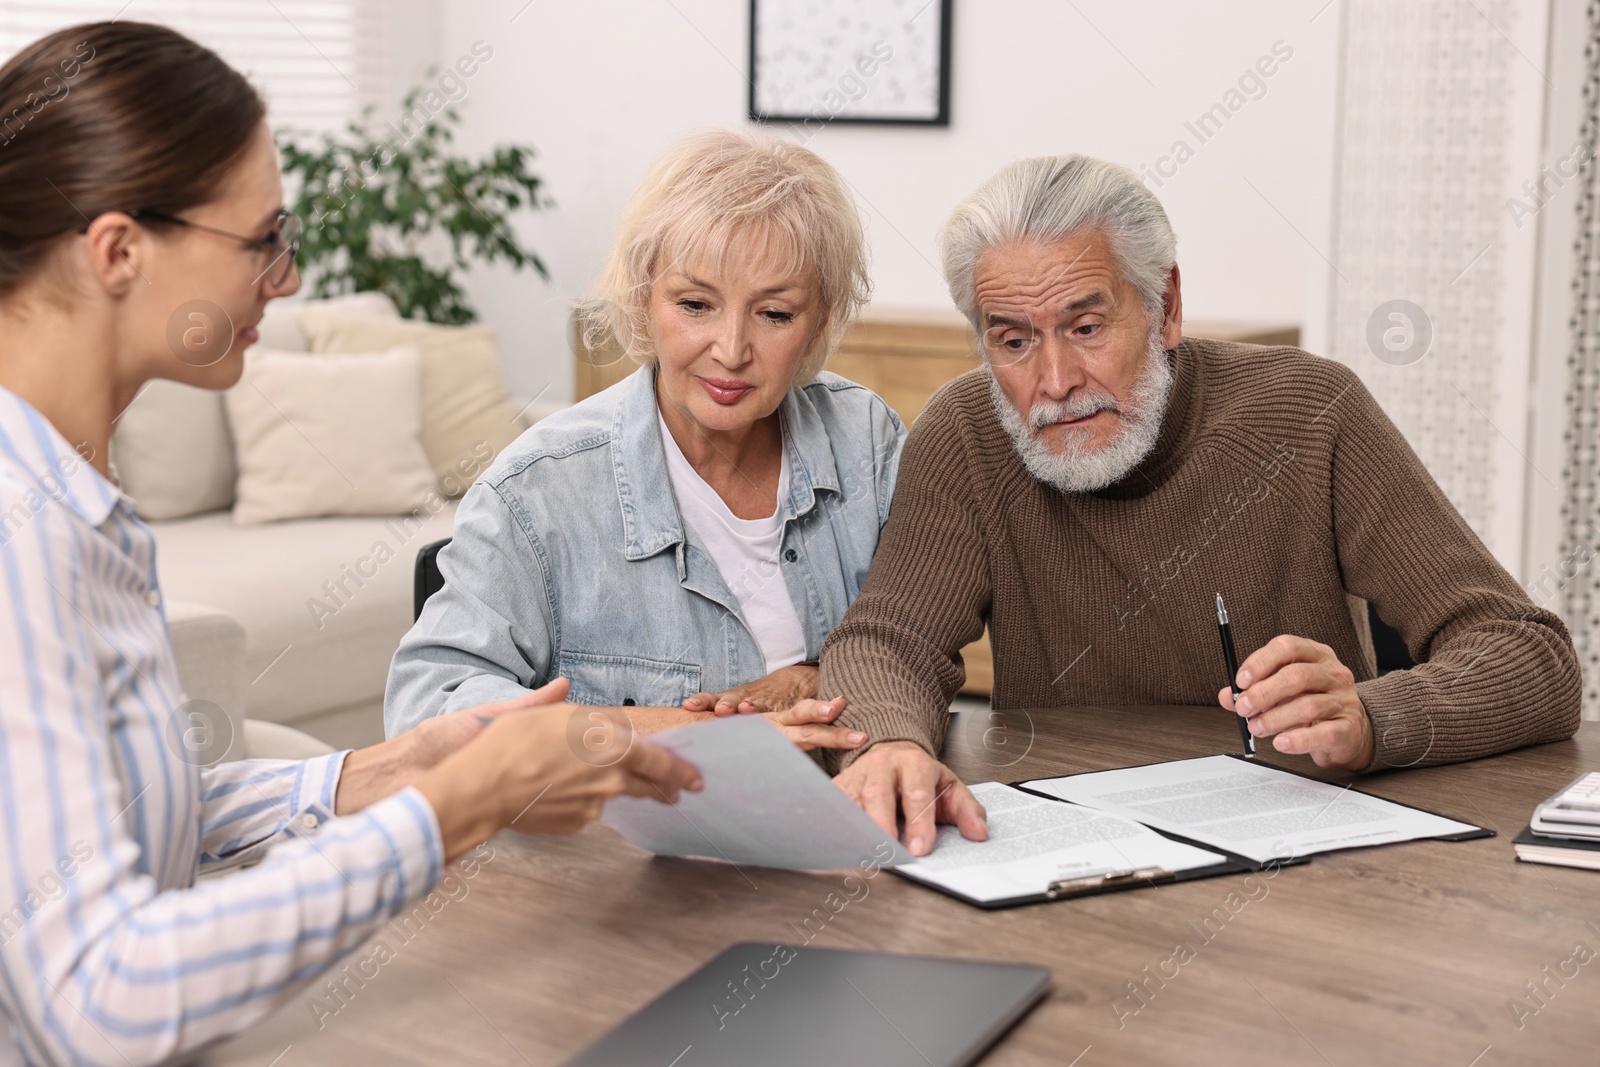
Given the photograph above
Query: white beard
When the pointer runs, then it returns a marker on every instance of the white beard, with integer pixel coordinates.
(1077, 469)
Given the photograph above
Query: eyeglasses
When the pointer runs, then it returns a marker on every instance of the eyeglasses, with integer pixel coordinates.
(282, 244)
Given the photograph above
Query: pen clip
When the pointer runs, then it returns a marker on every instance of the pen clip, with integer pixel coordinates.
(1084, 883)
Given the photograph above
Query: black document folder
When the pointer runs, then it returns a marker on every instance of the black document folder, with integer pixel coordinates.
(1116, 881)
(1135, 878)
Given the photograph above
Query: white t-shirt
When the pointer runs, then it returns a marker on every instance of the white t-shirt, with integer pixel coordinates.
(746, 552)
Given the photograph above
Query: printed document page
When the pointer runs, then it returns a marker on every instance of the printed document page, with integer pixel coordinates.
(765, 804)
(1250, 808)
(1033, 842)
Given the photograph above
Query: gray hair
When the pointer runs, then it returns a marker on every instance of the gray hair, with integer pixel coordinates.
(1050, 198)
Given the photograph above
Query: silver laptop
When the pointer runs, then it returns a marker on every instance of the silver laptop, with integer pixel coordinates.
(769, 1004)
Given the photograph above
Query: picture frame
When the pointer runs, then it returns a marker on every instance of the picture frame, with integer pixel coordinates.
(859, 62)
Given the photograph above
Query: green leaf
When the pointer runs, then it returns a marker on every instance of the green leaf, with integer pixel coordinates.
(375, 195)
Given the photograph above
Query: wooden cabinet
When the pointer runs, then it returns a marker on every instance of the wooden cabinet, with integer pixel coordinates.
(905, 356)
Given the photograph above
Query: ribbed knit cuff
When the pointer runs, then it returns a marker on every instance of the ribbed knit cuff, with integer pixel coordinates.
(1402, 730)
(885, 701)
(882, 723)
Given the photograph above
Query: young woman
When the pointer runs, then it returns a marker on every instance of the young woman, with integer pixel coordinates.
(148, 190)
(683, 542)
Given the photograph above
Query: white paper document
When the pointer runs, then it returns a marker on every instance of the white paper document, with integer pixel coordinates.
(1034, 842)
(765, 804)
(1253, 809)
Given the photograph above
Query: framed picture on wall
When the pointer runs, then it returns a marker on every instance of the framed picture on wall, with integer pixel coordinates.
(813, 62)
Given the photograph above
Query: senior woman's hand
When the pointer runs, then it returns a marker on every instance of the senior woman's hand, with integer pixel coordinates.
(778, 691)
(808, 724)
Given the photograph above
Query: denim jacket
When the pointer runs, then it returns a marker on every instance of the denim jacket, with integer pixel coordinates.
(570, 558)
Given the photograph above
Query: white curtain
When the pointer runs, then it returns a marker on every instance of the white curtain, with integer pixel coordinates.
(1438, 119)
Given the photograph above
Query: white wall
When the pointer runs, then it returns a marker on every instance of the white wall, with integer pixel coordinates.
(600, 87)
(412, 27)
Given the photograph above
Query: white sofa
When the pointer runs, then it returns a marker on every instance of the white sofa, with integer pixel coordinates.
(326, 679)
(239, 598)
(209, 645)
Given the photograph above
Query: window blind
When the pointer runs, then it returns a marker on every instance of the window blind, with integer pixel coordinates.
(317, 62)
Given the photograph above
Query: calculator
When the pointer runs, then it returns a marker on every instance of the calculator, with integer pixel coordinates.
(1573, 812)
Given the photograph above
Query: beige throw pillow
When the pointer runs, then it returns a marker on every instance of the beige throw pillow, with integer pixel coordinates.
(172, 452)
(280, 323)
(466, 417)
(326, 435)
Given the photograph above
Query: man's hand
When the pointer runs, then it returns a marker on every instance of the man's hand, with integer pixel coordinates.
(1298, 693)
(778, 691)
(896, 776)
(807, 724)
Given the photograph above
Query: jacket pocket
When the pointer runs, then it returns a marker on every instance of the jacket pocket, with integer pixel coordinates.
(616, 680)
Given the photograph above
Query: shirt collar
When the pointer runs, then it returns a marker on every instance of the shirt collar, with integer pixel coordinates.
(650, 518)
(39, 454)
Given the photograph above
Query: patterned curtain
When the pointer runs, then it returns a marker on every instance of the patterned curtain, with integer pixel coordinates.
(1422, 145)
(1581, 474)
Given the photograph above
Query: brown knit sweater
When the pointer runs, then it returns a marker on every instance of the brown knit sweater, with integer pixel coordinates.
(1276, 481)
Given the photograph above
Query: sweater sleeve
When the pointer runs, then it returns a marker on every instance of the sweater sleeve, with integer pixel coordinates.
(1495, 671)
(897, 653)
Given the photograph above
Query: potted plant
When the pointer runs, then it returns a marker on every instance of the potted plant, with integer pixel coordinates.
(397, 211)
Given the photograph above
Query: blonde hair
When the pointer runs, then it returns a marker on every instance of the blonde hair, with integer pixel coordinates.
(706, 190)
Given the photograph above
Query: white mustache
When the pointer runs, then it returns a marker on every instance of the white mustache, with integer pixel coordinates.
(1048, 412)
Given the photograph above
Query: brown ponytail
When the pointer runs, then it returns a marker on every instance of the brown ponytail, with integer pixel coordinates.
(111, 116)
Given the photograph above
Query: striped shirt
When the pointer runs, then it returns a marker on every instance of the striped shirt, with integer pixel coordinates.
(110, 951)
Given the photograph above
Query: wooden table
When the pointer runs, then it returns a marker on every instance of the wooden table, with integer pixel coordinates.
(1405, 954)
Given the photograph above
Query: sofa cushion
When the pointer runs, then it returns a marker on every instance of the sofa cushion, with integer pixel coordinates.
(328, 435)
(172, 448)
(324, 602)
(466, 416)
(273, 740)
(280, 322)
(173, 453)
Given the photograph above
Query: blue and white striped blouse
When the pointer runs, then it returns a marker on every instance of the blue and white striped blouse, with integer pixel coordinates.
(110, 951)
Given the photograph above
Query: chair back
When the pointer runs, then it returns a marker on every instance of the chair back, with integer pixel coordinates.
(426, 579)
(1387, 644)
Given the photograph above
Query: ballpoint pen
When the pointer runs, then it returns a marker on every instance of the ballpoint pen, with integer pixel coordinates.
(1232, 662)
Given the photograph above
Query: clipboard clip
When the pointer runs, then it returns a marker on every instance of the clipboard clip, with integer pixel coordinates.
(1064, 887)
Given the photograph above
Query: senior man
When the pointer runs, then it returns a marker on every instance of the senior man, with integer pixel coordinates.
(1089, 490)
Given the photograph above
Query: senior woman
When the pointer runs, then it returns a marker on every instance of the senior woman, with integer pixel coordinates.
(681, 543)
(152, 186)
